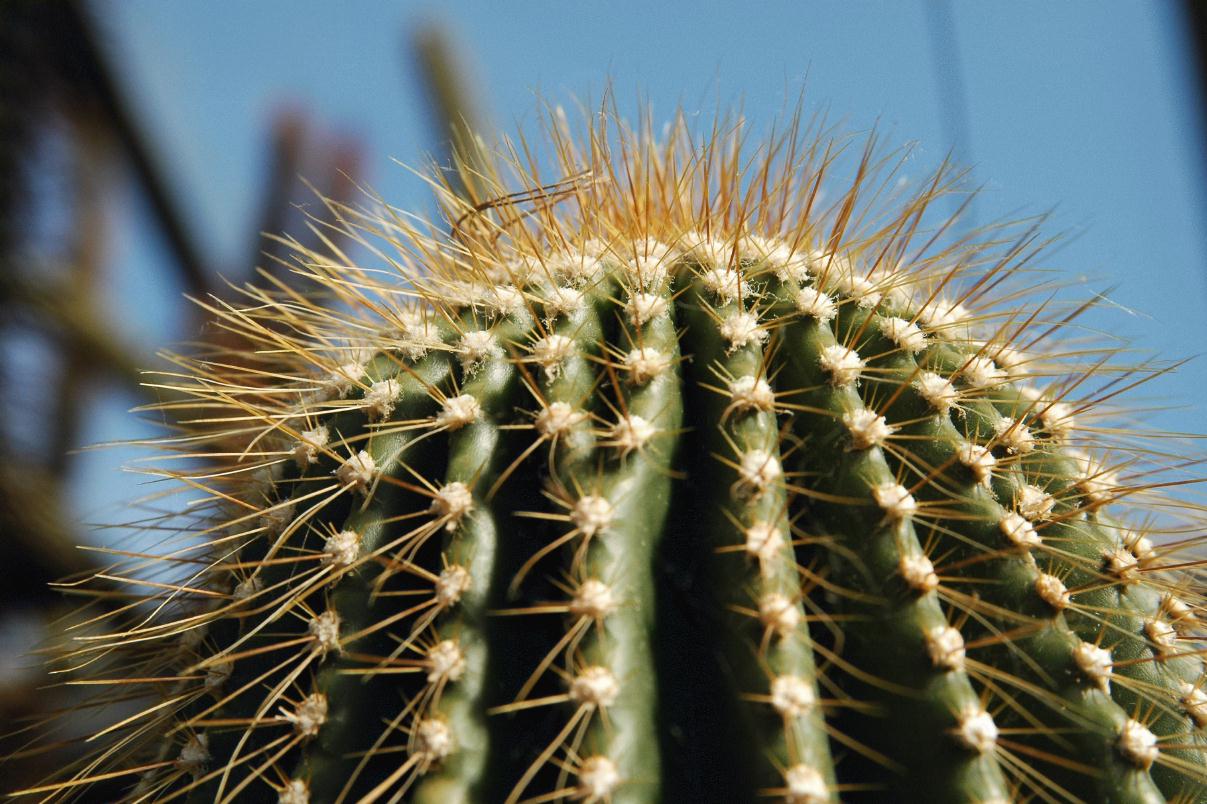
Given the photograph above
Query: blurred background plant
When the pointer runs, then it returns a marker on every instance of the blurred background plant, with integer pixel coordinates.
(146, 148)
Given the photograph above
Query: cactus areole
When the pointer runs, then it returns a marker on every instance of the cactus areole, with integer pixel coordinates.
(655, 468)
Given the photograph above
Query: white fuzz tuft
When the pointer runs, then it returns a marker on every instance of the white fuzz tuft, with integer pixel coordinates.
(194, 754)
(1194, 700)
(788, 265)
(725, 284)
(343, 378)
(594, 686)
(594, 599)
(906, 334)
(707, 251)
(217, 674)
(978, 460)
(1141, 547)
(433, 740)
(644, 307)
(598, 778)
(895, 500)
(792, 696)
(445, 662)
(951, 319)
(451, 503)
(325, 630)
(559, 419)
(631, 433)
(1018, 531)
(357, 471)
(1052, 591)
(591, 514)
(1121, 563)
(757, 471)
(579, 268)
(1137, 744)
(981, 372)
(551, 351)
(842, 364)
(648, 265)
(504, 300)
(764, 541)
(866, 428)
(477, 347)
(562, 301)
(1014, 436)
(938, 391)
(918, 573)
(309, 716)
(379, 400)
(310, 442)
(804, 785)
(861, 289)
(815, 304)
(945, 646)
(458, 411)
(1096, 481)
(741, 330)
(452, 582)
(751, 393)
(341, 549)
(976, 730)
(645, 364)
(779, 613)
(294, 792)
(1162, 634)
(1057, 418)
(1034, 503)
(1095, 664)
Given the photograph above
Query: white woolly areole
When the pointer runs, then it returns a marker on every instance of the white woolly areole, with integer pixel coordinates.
(905, 334)
(562, 301)
(433, 740)
(558, 419)
(918, 573)
(789, 265)
(1137, 744)
(976, 731)
(379, 400)
(1057, 419)
(644, 307)
(578, 268)
(294, 792)
(504, 299)
(194, 754)
(551, 351)
(478, 346)
(1162, 634)
(341, 549)
(1178, 610)
(978, 460)
(725, 284)
(1018, 531)
(757, 471)
(867, 429)
(792, 696)
(217, 674)
(591, 514)
(1095, 664)
(310, 442)
(1096, 481)
(645, 364)
(1194, 701)
(945, 316)
(945, 647)
(895, 500)
(813, 303)
(343, 377)
(741, 330)
(458, 411)
(594, 599)
(708, 251)
(982, 372)
(939, 392)
(779, 613)
(632, 432)
(764, 541)
(309, 715)
(842, 364)
(356, 472)
(1121, 563)
(445, 662)
(452, 582)
(861, 289)
(451, 503)
(805, 785)
(594, 686)
(751, 393)
(647, 263)
(1034, 503)
(598, 778)
(325, 630)
(1051, 590)
(1014, 436)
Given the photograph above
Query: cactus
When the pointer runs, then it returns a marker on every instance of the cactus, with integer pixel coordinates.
(685, 477)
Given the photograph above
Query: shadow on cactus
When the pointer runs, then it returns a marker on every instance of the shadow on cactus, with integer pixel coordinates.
(659, 469)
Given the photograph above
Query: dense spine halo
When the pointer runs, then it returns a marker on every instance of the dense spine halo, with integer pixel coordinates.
(653, 468)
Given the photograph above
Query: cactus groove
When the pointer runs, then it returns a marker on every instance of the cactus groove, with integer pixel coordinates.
(696, 474)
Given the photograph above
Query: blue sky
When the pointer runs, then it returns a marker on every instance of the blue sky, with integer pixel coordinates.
(1086, 107)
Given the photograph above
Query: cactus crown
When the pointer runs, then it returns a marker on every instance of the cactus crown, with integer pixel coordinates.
(675, 471)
